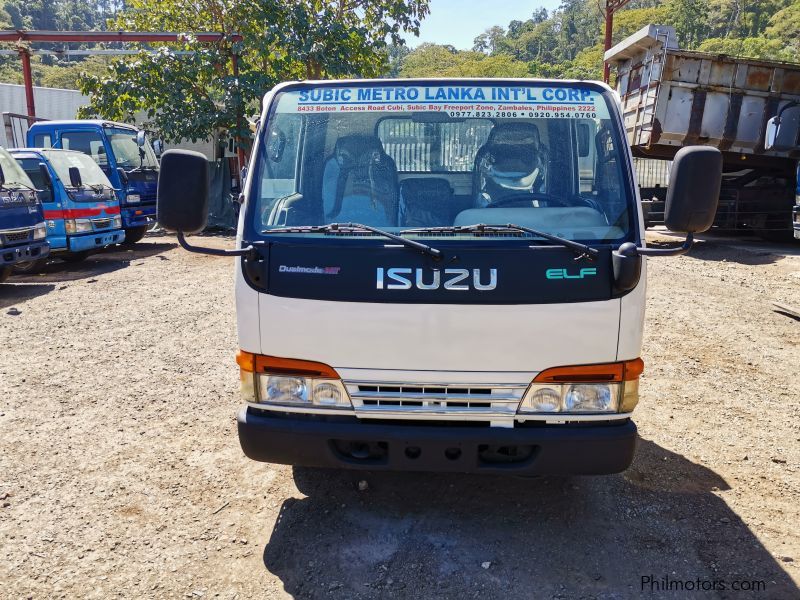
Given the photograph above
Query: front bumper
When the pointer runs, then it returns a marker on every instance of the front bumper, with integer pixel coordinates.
(92, 241)
(26, 252)
(137, 215)
(350, 444)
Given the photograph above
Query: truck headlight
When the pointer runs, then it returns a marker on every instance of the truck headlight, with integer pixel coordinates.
(116, 222)
(606, 388)
(134, 198)
(593, 397)
(77, 225)
(288, 390)
(312, 385)
(40, 231)
(277, 389)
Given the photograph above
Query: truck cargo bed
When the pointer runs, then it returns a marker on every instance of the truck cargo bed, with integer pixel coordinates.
(673, 98)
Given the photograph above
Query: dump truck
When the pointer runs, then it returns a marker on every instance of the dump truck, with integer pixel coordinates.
(673, 98)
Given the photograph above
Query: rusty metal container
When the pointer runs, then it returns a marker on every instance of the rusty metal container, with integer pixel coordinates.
(673, 98)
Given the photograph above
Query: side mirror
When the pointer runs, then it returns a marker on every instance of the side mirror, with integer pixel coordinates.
(783, 130)
(123, 176)
(693, 190)
(75, 177)
(158, 148)
(140, 138)
(183, 191)
(692, 198)
(182, 205)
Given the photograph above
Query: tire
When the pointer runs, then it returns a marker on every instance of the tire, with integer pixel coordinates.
(75, 257)
(30, 266)
(5, 273)
(134, 235)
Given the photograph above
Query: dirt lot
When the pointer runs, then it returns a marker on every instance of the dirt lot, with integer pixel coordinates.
(121, 475)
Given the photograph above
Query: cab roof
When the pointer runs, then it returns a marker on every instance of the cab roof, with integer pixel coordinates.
(40, 150)
(83, 122)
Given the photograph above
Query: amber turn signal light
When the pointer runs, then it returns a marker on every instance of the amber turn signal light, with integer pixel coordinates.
(628, 370)
(259, 363)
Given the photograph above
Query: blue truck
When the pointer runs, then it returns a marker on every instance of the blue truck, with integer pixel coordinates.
(122, 152)
(22, 227)
(80, 205)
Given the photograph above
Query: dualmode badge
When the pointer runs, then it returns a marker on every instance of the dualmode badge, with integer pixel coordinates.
(565, 274)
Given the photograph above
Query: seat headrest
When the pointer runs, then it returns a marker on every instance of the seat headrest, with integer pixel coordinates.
(355, 150)
(526, 134)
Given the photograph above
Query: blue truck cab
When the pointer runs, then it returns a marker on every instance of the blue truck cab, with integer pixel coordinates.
(122, 152)
(80, 205)
(22, 228)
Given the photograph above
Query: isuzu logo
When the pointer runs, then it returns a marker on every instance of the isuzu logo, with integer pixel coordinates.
(434, 279)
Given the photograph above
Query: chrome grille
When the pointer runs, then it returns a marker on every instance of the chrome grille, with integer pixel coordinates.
(19, 235)
(101, 223)
(461, 402)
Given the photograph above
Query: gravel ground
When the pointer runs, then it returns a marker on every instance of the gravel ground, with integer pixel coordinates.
(121, 474)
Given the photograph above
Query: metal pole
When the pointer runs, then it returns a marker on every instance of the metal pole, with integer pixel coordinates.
(239, 149)
(608, 40)
(28, 77)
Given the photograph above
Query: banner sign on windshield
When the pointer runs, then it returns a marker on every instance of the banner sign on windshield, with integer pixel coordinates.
(458, 101)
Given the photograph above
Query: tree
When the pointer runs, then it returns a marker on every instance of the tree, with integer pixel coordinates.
(690, 19)
(785, 26)
(490, 41)
(753, 47)
(432, 60)
(189, 96)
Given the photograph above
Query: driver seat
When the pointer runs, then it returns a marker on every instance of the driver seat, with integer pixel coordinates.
(513, 160)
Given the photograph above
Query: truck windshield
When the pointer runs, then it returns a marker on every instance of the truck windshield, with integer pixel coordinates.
(92, 175)
(435, 156)
(126, 150)
(15, 177)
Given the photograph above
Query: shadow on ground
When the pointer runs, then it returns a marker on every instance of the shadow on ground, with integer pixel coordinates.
(14, 294)
(717, 246)
(412, 535)
(99, 263)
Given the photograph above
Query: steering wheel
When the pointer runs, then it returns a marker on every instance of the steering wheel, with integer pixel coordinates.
(525, 198)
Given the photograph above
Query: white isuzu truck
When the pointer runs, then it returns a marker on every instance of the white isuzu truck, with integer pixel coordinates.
(441, 275)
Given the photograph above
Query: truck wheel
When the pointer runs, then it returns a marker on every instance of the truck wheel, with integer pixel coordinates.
(5, 273)
(30, 266)
(134, 235)
(75, 257)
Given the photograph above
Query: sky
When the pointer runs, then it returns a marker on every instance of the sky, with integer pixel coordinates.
(458, 22)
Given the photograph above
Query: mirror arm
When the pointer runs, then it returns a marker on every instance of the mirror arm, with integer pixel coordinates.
(683, 249)
(249, 251)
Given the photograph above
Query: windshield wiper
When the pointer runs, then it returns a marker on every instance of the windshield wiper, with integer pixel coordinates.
(581, 250)
(16, 186)
(350, 227)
